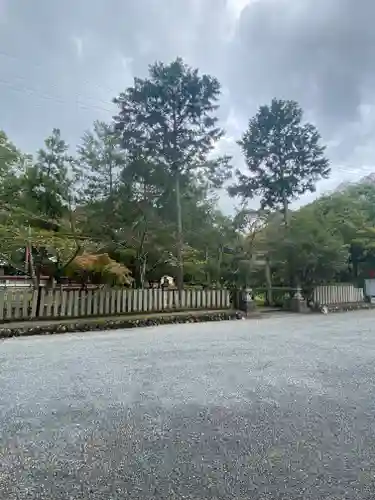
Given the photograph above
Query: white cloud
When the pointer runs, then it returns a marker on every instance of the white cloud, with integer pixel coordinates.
(235, 7)
(3, 10)
(234, 10)
(78, 45)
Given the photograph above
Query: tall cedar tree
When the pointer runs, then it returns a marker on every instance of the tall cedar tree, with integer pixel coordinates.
(101, 161)
(168, 119)
(49, 183)
(284, 157)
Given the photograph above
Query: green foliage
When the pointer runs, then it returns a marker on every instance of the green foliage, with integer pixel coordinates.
(314, 246)
(283, 155)
(48, 184)
(12, 163)
(330, 239)
(138, 199)
(101, 161)
(167, 123)
(168, 118)
(10, 157)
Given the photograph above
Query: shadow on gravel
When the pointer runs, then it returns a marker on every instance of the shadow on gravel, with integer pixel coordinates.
(304, 449)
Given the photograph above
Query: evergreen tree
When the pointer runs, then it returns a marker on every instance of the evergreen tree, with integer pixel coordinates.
(284, 157)
(49, 183)
(101, 162)
(169, 118)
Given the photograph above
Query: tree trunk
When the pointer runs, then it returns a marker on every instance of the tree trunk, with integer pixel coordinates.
(140, 271)
(286, 211)
(355, 268)
(143, 270)
(219, 262)
(290, 273)
(30, 267)
(268, 282)
(180, 242)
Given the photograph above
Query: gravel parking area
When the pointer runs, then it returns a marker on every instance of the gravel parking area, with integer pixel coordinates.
(276, 408)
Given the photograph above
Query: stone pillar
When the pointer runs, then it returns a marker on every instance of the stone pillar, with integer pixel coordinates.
(297, 302)
(246, 303)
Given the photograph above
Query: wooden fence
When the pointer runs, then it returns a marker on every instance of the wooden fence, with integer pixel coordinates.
(28, 304)
(338, 294)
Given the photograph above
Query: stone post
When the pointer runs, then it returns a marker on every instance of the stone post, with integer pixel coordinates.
(298, 303)
(246, 303)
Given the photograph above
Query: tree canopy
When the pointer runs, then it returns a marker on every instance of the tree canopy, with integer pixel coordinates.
(284, 156)
(136, 198)
(167, 120)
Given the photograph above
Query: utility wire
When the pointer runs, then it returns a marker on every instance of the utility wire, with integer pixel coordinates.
(48, 97)
(7, 55)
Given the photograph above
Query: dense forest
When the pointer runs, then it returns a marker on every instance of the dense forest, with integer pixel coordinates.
(136, 198)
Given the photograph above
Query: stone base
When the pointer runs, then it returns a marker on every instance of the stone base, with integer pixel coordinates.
(347, 307)
(299, 305)
(252, 312)
(46, 327)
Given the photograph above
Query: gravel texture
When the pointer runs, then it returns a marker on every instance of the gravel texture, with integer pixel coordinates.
(278, 408)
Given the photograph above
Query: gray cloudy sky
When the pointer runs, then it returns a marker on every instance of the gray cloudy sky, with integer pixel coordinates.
(63, 61)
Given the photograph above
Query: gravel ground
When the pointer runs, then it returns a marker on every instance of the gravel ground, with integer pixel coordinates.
(277, 408)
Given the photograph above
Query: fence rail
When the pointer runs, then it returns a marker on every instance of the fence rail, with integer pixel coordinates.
(29, 304)
(337, 294)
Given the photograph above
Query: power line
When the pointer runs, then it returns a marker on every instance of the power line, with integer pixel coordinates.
(40, 66)
(48, 97)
